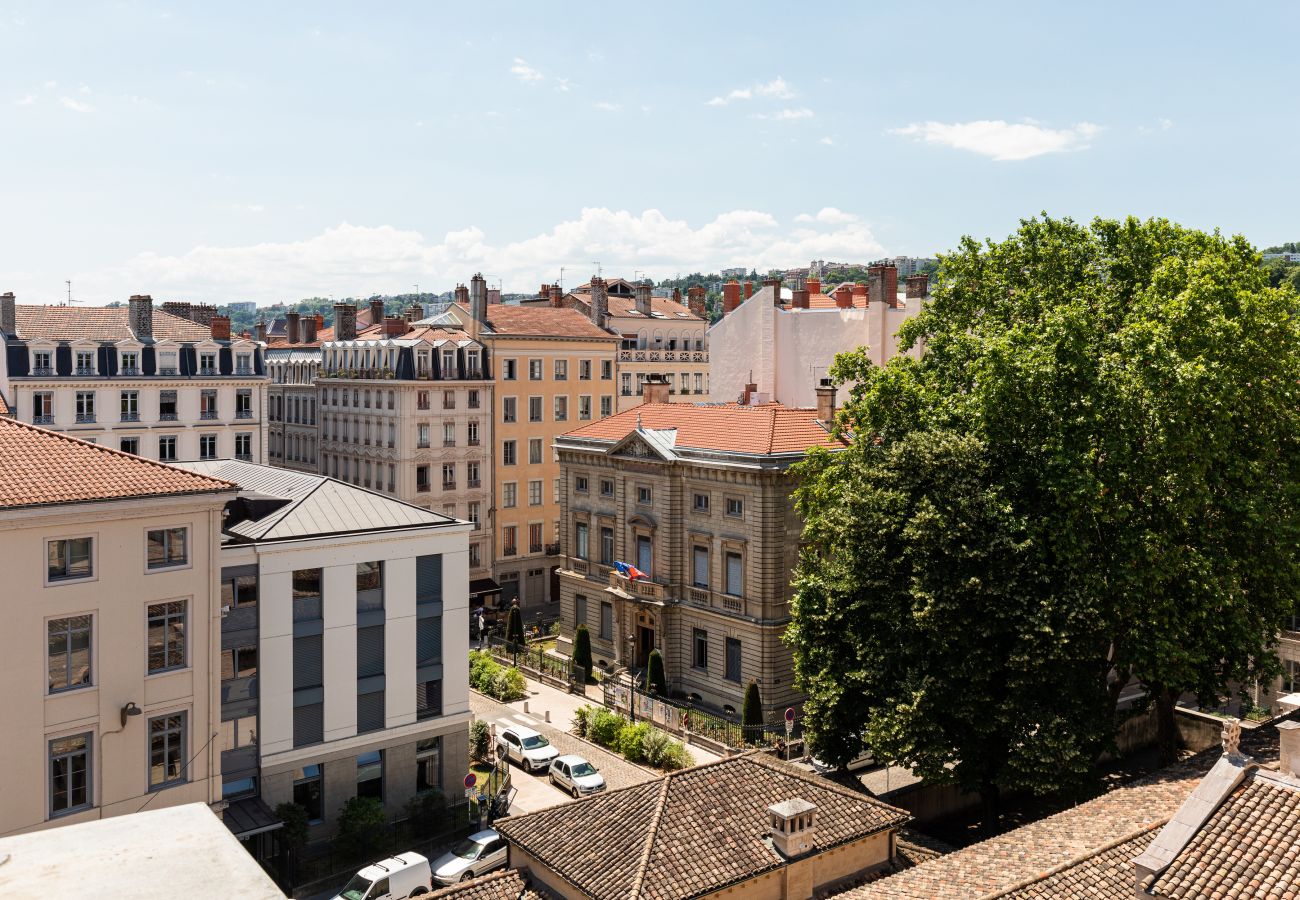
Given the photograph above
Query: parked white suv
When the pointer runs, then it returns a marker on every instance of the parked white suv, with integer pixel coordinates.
(401, 876)
(574, 774)
(526, 747)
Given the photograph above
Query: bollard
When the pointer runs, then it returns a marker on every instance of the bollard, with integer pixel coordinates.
(525, 706)
(548, 715)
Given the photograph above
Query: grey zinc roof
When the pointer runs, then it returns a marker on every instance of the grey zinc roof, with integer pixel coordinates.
(317, 505)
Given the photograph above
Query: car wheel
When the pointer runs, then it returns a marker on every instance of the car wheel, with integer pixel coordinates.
(467, 876)
(575, 793)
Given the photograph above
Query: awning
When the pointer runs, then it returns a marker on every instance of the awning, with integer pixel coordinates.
(481, 586)
(250, 816)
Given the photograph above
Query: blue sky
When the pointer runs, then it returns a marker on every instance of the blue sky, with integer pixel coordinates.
(271, 151)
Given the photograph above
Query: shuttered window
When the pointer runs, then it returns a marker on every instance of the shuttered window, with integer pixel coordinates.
(735, 583)
(308, 724)
(370, 651)
(370, 711)
(307, 666)
(701, 567)
(428, 578)
(428, 699)
(428, 640)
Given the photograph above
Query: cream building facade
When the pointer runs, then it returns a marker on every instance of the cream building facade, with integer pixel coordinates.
(293, 364)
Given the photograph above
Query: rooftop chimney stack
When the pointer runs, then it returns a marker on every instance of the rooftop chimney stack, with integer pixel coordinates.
(677, 295)
(414, 312)
(345, 322)
(814, 285)
(655, 389)
(695, 302)
(557, 296)
(309, 326)
(749, 289)
(799, 298)
(376, 312)
(793, 827)
(141, 315)
(462, 296)
(220, 326)
(750, 390)
(826, 402)
(394, 326)
(261, 331)
(643, 298)
(599, 301)
(843, 297)
(918, 286)
(860, 292)
(291, 330)
(731, 297)
(1288, 735)
(889, 285)
(478, 300)
(775, 285)
(8, 313)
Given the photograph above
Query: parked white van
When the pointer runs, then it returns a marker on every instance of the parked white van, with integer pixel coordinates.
(395, 878)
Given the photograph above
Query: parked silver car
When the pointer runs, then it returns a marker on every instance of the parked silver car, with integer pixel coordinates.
(479, 853)
(574, 774)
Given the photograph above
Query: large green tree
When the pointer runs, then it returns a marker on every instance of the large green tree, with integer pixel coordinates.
(1132, 391)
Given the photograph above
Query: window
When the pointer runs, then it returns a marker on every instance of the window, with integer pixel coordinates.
(579, 610)
(509, 490)
(509, 540)
(421, 399)
(472, 400)
(645, 554)
(474, 513)
(534, 451)
(509, 372)
(701, 503)
(534, 409)
(584, 370)
(207, 446)
(535, 537)
(428, 698)
(561, 408)
(307, 792)
(735, 581)
(41, 363)
(244, 446)
(606, 369)
(422, 435)
(534, 370)
(167, 547)
(167, 362)
(475, 556)
(606, 546)
(448, 476)
(735, 506)
(422, 479)
(643, 495)
(244, 404)
(561, 369)
(167, 751)
(699, 649)
(129, 445)
(240, 732)
(68, 653)
(244, 364)
(167, 448)
(238, 662)
(69, 558)
(580, 540)
(70, 774)
(239, 592)
(471, 432)
(535, 493)
(449, 434)
(167, 636)
(370, 586)
(700, 569)
(627, 384)
(606, 406)
(508, 409)
(508, 453)
(607, 487)
(733, 660)
(207, 364)
(606, 620)
(449, 362)
(584, 407)
(167, 406)
(130, 402)
(580, 484)
(43, 407)
(85, 406)
(428, 764)
(85, 362)
(472, 474)
(448, 399)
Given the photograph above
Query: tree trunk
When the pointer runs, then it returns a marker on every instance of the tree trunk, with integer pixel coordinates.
(1166, 728)
(990, 795)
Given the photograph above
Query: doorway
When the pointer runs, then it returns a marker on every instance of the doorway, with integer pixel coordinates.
(645, 643)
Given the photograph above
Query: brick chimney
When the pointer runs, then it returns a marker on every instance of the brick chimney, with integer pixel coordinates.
(826, 402)
(843, 296)
(291, 330)
(775, 285)
(394, 326)
(141, 315)
(643, 298)
(320, 321)
(695, 302)
(814, 285)
(557, 296)
(203, 313)
(889, 283)
(414, 312)
(749, 289)
(799, 298)
(220, 326)
(747, 396)
(261, 331)
(654, 389)
(544, 292)
(599, 301)
(462, 296)
(731, 297)
(478, 300)
(345, 322)
(918, 287)
(8, 313)
(308, 328)
(860, 295)
(376, 312)
(677, 295)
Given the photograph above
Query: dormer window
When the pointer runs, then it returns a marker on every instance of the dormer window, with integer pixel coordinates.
(167, 362)
(130, 362)
(207, 364)
(471, 362)
(41, 364)
(85, 362)
(448, 363)
(244, 364)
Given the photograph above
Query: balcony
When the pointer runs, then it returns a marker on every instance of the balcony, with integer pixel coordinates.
(661, 355)
(234, 690)
(733, 604)
(130, 417)
(449, 485)
(129, 370)
(85, 370)
(209, 370)
(473, 483)
(639, 589)
(553, 549)
(85, 418)
(449, 442)
(244, 457)
(42, 371)
(243, 414)
(243, 370)
(306, 609)
(422, 488)
(166, 417)
(472, 442)
(208, 414)
(473, 404)
(510, 551)
(167, 370)
(699, 596)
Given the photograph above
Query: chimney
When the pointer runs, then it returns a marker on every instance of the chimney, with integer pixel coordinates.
(320, 321)
(141, 315)
(826, 402)
(203, 313)
(308, 327)
(376, 312)
(889, 283)
(749, 289)
(844, 296)
(814, 285)
(1288, 736)
(394, 326)
(918, 287)
(750, 390)
(261, 331)
(291, 330)
(793, 827)
(599, 301)
(544, 293)
(220, 326)
(462, 296)
(860, 291)
(494, 295)
(799, 298)
(345, 322)
(677, 295)
(478, 301)
(695, 302)
(557, 296)
(775, 285)
(414, 312)
(654, 389)
(8, 313)
(643, 298)
(731, 296)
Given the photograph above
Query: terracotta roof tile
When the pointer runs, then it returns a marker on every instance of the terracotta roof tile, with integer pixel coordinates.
(689, 833)
(667, 309)
(101, 323)
(542, 321)
(1106, 874)
(767, 428)
(4, 406)
(506, 884)
(44, 467)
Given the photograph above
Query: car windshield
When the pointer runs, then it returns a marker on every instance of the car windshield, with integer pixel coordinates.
(583, 768)
(356, 888)
(467, 849)
(535, 742)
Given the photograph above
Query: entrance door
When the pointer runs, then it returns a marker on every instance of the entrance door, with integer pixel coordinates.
(645, 644)
(644, 557)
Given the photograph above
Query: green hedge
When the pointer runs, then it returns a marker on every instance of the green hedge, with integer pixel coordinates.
(504, 683)
(639, 743)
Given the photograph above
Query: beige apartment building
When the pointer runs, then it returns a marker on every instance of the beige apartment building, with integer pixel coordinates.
(111, 602)
(293, 364)
(553, 369)
(697, 497)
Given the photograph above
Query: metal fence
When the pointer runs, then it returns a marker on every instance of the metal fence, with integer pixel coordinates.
(533, 660)
(681, 717)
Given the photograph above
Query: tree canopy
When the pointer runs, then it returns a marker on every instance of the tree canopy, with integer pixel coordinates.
(1089, 476)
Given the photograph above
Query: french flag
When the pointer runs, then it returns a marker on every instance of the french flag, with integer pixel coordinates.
(629, 571)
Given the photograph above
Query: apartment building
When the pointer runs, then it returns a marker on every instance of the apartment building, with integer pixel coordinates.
(110, 601)
(405, 409)
(553, 369)
(343, 642)
(293, 365)
(148, 381)
(779, 343)
(697, 497)
(657, 335)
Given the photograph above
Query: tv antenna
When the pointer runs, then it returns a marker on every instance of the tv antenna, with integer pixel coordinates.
(68, 282)
(561, 279)
(599, 272)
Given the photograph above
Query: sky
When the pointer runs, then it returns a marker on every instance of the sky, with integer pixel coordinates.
(228, 151)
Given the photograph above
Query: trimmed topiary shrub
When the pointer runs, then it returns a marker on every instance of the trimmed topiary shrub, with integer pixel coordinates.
(751, 715)
(582, 652)
(655, 681)
(515, 625)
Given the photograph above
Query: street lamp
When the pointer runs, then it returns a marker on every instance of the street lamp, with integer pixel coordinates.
(631, 678)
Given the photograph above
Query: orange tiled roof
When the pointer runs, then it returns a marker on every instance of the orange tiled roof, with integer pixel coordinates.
(4, 406)
(44, 467)
(670, 311)
(282, 342)
(768, 428)
(504, 884)
(101, 323)
(542, 321)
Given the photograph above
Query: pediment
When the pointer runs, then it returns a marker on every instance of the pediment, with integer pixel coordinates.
(638, 445)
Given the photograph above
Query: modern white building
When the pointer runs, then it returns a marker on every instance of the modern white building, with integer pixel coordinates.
(135, 378)
(344, 642)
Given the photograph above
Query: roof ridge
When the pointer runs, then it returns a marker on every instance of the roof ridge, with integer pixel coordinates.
(1069, 863)
(778, 765)
(638, 879)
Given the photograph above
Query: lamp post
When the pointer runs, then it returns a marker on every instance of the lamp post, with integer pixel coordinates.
(631, 678)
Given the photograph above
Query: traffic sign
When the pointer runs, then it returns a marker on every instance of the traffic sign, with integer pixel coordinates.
(470, 780)
(789, 714)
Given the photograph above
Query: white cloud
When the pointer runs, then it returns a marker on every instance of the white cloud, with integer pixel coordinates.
(828, 215)
(26, 100)
(354, 260)
(777, 88)
(563, 85)
(1161, 124)
(525, 72)
(828, 141)
(786, 115)
(76, 105)
(1001, 140)
(607, 106)
(1165, 124)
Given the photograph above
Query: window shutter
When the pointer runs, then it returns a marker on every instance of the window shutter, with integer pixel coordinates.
(370, 711)
(307, 666)
(428, 640)
(701, 567)
(733, 574)
(370, 651)
(308, 724)
(428, 579)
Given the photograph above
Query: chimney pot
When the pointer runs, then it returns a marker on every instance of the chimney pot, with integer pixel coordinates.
(141, 315)
(394, 326)
(8, 313)
(291, 331)
(557, 296)
(731, 296)
(345, 322)
(414, 312)
(220, 326)
(775, 285)
(918, 286)
(643, 298)
(599, 301)
(793, 827)
(826, 402)
(844, 297)
(800, 299)
(1288, 734)
(749, 289)
(308, 329)
(814, 285)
